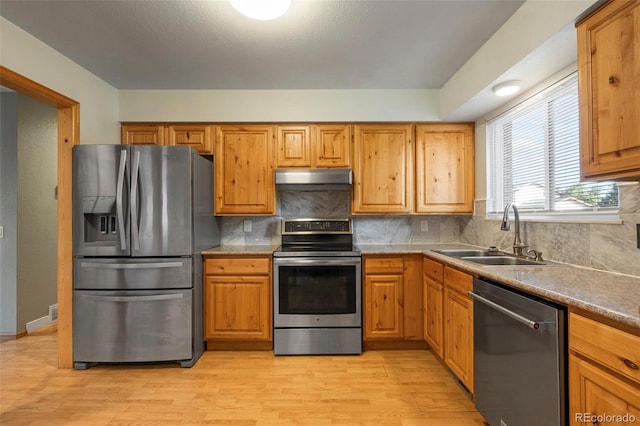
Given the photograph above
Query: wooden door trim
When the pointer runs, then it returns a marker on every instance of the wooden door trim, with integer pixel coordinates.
(68, 136)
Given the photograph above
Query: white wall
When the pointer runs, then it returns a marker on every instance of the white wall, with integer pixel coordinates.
(30, 57)
(8, 211)
(536, 42)
(37, 209)
(279, 105)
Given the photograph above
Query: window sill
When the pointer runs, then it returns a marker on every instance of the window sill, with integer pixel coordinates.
(609, 219)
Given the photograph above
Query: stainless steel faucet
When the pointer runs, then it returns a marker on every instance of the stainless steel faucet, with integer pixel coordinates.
(518, 247)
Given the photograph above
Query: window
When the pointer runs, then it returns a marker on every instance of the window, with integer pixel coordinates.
(533, 159)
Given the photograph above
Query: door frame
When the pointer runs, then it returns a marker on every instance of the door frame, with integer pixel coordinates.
(68, 136)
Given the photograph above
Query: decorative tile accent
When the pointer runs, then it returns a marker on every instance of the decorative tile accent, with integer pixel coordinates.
(314, 204)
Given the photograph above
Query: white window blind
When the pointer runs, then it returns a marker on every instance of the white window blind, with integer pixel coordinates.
(533, 158)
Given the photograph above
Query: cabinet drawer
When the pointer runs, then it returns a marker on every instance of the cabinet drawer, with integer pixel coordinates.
(614, 348)
(458, 280)
(234, 266)
(432, 269)
(384, 265)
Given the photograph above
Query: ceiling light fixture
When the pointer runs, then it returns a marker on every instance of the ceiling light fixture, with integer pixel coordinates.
(262, 10)
(506, 88)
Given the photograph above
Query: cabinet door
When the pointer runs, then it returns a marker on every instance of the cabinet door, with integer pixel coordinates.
(433, 315)
(293, 146)
(595, 395)
(237, 308)
(143, 134)
(412, 296)
(609, 66)
(244, 170)
(198, 137)
(331, 145)
(458, 335)
(383, 307)
(444, 168)
(383, 169)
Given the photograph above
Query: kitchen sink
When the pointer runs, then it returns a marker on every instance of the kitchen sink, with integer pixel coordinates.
(469, 252)
(501, 260)
(492, 257)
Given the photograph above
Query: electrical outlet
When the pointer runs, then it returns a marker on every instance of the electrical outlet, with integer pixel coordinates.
(424, 225)
(247, 225)
(1, 231)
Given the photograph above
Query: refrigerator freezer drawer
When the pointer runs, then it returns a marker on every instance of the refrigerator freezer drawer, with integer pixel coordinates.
(132, 326)
(132, 274)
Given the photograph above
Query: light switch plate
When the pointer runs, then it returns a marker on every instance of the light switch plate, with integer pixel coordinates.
(424, 225)
(1, 231)
(247, 225)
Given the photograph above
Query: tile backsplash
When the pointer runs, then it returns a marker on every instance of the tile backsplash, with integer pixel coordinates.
(611, 247)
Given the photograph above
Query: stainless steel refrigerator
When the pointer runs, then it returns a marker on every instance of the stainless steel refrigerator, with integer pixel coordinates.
(141, 217)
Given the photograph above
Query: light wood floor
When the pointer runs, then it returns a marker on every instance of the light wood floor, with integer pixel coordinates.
(236, 388)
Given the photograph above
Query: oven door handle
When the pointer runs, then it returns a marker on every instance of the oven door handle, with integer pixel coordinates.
(317, 262)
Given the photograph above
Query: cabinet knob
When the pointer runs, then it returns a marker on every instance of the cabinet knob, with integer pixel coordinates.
(632, 365)
(612, 80)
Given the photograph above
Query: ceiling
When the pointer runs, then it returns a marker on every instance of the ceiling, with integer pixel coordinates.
(317, 44)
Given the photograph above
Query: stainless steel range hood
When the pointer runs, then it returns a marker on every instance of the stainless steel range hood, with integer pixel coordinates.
(314, 180)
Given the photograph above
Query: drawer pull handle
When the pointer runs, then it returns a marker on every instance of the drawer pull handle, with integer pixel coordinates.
(632, 365)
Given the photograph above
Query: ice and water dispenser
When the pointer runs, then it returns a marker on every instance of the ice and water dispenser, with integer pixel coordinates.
(100, 219)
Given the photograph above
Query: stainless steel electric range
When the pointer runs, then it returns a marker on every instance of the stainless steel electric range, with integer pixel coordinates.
(317, 288)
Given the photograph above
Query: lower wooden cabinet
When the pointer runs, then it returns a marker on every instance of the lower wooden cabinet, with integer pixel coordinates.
(604, 373)
(433, 305)
(458, 335)
(238, 299)
(393, 298)
(448, 318)
(598, 397)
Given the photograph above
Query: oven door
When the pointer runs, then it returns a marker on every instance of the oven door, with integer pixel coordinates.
(317, 292)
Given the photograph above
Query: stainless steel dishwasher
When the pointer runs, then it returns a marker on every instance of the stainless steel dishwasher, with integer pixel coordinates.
(520, 357)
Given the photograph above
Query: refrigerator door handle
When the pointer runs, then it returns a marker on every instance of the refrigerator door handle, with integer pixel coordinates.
(150, 265)
(135, 231)
(119, 200)
(149, 298)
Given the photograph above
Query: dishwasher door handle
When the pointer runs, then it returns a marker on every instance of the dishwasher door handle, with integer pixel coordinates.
(524, 320)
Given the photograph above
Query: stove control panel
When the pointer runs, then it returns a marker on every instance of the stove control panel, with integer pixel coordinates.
(316, 226)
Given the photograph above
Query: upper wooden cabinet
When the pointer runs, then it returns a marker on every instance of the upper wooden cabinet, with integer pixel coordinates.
(143, 134)
(293, 146)
(196, 136)
(317, 146)
(383, 168)
(444, 168)
(244, 170)
(609, 86)
(331, 145)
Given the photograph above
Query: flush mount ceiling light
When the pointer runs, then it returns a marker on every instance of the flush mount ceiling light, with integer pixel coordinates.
(506, 88)
(262, 10)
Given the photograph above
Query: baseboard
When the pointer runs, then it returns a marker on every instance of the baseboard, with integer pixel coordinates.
(4, 337)
(53, 327)
(39, 323)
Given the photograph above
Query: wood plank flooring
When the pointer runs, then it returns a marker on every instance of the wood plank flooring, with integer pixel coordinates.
(231, 388)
